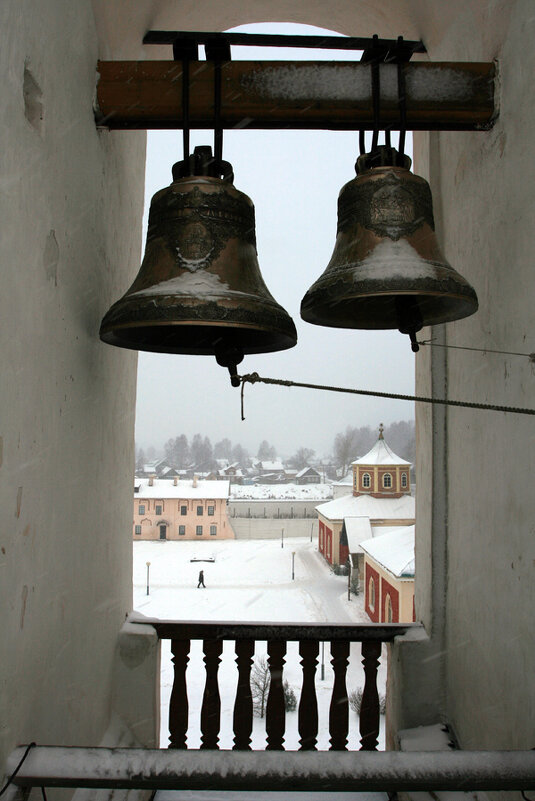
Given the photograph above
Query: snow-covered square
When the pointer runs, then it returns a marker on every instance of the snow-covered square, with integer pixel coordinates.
(249, 580)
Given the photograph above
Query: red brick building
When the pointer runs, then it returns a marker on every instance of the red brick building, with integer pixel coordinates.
(389, 576)
(380, 500)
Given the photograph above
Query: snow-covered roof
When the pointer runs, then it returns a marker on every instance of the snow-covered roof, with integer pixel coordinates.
(367, 506)
(296, 492)
(358, 529)
(272, 466)
(394, 551)
(346, 481)
(381, 453)
(163, 488)
(306, 470)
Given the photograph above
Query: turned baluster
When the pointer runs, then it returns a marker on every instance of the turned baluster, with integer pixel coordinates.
(369, 709)
(211, 702)
(308, 703)
(243, 706)
(178, 705)
(275, 711)
(339, 709)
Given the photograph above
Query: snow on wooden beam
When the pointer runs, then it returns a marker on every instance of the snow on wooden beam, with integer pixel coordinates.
(269, 770)
(296, 94)
(319, 632)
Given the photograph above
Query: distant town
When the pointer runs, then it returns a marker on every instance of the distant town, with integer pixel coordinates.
(357, 505)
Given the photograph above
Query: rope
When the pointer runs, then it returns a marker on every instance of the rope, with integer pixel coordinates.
(530, 356)
(254, 378)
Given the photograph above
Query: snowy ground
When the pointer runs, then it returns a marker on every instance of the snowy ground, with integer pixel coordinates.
(250, 580)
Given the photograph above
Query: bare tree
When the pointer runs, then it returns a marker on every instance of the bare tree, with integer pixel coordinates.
(260, 679)
(223, 449)
(301, 458)
(350, 444)
(266, 451)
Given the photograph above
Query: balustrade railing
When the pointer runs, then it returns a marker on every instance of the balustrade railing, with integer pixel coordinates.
(245, 635)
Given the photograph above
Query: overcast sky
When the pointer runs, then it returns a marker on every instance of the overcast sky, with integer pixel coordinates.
(293, 179)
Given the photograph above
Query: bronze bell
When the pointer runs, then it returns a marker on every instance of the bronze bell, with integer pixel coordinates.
(199, 289)
(387, 270)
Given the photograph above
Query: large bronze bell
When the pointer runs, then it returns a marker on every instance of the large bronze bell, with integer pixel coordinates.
(199, 289)
(387, 270)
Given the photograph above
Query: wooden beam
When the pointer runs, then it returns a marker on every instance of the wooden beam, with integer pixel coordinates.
(296, 94)
(282, 771)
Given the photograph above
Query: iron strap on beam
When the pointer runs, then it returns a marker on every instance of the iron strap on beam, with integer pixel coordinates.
(283, 40)
(295, 95)
(173, 769)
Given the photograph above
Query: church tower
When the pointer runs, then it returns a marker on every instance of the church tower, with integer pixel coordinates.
(381, 473)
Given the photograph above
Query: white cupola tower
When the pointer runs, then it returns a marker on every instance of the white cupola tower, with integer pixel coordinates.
(381, 473)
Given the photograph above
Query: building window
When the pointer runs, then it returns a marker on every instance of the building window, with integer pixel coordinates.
(388, 609)
(213, 531)
(211, 510)
(182, 530)
(137, 529)
(387, 480)
(183, 510)
(366, 481)
(141, 510)
(198, 530)
(404, 480)
(158, 509)
(199, 510)
(371, 594)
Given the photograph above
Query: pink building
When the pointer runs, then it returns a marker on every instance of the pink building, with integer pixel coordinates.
(177, 509)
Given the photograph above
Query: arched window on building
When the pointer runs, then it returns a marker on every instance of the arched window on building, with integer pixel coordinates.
(366, 481)
(371, 594)
(387, 480)
(388, 609)
(404, 480)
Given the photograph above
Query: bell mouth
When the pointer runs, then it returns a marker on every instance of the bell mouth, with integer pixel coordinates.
(198, 339)
(381, 310)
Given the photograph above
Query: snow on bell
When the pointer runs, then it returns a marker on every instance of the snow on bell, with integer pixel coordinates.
(199, 289)
(387, 270)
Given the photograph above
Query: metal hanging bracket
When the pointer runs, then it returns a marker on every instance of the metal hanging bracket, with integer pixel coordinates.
(307, 95)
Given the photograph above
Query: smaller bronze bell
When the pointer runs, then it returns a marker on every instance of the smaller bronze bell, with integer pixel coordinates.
(199, 289)
(387, 270)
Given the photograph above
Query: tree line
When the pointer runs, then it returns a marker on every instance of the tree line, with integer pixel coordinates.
(348, 445)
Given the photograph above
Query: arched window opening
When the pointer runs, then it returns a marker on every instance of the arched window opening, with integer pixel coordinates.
(387, 481)
(366, 481)
(404, 480)
(371, 594)
(388, 609)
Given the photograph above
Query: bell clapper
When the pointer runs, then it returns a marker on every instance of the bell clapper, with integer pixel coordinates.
(415, 347)
(230, 356)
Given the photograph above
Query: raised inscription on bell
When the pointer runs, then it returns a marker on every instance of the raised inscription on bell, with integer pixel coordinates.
(194, 245)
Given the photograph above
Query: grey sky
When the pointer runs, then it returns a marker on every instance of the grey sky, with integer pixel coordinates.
(293, 178)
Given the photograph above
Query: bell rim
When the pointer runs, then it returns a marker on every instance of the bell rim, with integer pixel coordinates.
(284, 339)
(470, 305)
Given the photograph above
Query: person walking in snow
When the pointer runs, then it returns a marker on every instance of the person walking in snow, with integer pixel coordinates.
(201, 580)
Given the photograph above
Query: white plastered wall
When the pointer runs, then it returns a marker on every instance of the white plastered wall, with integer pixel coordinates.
(475, 575)
(70, 211)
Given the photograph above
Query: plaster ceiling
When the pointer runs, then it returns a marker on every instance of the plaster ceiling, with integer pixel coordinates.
(121, 24)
